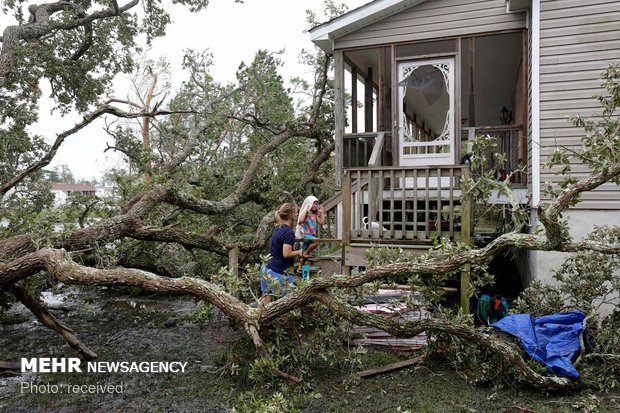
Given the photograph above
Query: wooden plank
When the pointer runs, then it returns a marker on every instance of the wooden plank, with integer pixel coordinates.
(375, 156)
(368, 111)
(371, 199)
(9, 365)
(395, 115)
(346, 208)
(360, 204)
(472, 82)
(415, 203)
(444, 30)
(466, 222)
(346, 218)
(403, 201)
(391, 367)
(561, 31)
(354, 99)
(427, 203)
(387, 89)
(392, 205)
(451, 203)
(417, 24)
(381, 90)
(575, 5)
(380, 201)
(339, 115)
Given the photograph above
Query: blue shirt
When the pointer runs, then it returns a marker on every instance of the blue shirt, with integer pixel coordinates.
(280, 236)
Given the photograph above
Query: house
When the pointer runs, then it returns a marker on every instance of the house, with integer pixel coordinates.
(62, 191)
(105, 189)
(416, 80)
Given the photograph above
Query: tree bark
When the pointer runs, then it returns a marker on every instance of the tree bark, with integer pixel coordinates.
(47, 319)
(510, 356)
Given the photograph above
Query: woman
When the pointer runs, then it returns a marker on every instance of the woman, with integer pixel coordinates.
(276, 276)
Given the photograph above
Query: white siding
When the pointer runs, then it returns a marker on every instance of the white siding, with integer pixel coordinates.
(577, 41)
(529, 102)
(435, 19)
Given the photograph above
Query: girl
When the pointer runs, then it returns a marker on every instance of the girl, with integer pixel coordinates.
(310, 217)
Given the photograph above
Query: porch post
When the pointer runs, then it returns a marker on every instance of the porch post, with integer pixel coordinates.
(368, 103)
(466, 236)
(346, 220)
(339, 114)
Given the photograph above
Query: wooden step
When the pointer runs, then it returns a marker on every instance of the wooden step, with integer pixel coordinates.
(355, 254)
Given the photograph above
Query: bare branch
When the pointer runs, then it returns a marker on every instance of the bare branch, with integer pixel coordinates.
(88, 119)
(322, 86)
(58, 267)
(145, 123)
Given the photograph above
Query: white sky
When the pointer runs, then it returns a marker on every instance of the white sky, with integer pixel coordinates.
(232, 32)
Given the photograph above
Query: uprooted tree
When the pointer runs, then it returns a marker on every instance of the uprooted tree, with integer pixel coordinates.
(204, 174)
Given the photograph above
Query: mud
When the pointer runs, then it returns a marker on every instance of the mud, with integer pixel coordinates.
(118, 327)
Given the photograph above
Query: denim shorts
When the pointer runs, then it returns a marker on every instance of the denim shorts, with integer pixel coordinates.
(307, 241)
(274, 283)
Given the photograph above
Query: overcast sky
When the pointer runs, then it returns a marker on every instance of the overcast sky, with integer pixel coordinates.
(232, 32)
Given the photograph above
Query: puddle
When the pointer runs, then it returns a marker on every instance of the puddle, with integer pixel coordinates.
(146, 304)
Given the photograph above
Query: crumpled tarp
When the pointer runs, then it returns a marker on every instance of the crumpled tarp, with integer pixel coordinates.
(551, 340)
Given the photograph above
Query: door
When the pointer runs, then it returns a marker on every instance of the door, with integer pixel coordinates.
(426, 107)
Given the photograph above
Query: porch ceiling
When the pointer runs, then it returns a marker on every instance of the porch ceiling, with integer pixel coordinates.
(363, 59)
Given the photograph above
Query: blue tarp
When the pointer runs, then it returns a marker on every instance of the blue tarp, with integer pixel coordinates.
(551, 340)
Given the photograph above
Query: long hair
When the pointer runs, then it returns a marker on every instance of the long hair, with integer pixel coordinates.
(286, 211)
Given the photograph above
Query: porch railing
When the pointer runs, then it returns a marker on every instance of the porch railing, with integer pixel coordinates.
(402, 203)
(365, 149)
(510, 142)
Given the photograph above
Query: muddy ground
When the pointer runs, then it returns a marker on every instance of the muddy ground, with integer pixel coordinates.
(119, 326)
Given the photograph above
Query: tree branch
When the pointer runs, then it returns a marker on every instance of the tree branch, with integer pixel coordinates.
(510, 356)
(39, 25)
(40, 311)
(233, 199)
(549, 217)
(322, 157)
(87, 120)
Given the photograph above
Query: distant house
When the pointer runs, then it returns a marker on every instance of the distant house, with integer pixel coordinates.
(105, 189)
(63, 191)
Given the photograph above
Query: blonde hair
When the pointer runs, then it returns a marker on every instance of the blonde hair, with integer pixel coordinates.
(285, 213)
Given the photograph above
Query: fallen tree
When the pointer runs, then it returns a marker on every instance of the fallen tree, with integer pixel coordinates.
(228, 165)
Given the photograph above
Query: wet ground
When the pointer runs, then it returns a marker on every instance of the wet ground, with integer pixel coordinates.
(120, 327)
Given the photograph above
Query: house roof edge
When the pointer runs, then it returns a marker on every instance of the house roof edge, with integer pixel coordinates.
(324, 34)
